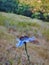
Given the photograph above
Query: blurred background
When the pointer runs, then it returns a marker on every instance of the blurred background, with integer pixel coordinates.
(27, 18)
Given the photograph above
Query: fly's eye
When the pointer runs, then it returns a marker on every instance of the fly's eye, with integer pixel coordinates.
(21, 38)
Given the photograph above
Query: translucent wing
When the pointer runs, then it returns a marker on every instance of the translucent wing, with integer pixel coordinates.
(17, 39)
(19, 44)
(32, 39)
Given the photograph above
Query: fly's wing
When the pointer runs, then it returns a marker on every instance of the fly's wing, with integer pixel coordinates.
(19, 44)
(34, 40)
(31, 39)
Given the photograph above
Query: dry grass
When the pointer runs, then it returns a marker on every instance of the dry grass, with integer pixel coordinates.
(39, 54)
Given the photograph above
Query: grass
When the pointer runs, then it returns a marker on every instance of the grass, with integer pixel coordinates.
(45, 33)
(24, 26)
(4, 20)
(5, 35)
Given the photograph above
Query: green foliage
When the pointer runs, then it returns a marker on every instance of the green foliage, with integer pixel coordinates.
(24, 10)
(28, 8)
(8, 5)
(36, 15)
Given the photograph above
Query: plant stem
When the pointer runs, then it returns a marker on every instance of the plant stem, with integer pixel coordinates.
(27, 52)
